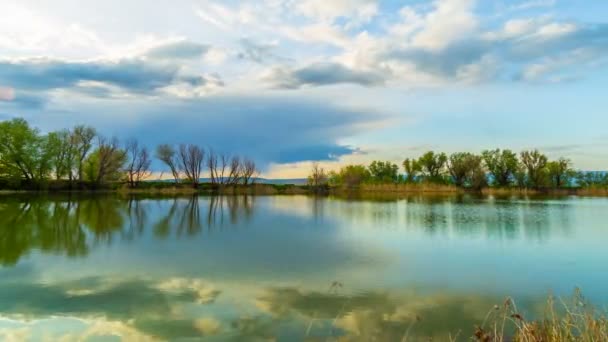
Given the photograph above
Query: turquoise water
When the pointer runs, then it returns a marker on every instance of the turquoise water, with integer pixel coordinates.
(288, 268)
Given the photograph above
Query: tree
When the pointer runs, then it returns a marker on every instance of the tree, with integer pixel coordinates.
(433, 165)
(535, 164)
(592, 179)
(212, 165)
(520, 176)
(462, 166)
(234, 171)
(105, 163)
(166, 154)
(59, 145)
(318, 176)
(502, 165)
(351, 176)
(22, 153)
(138, 163)
(560, 172)
(248, 170)
(384, 172)
(191, 158)
(412, 170)
(82, 141)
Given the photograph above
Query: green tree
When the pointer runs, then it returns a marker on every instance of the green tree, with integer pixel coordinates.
(502, 165)
(462, 166)
(587, 179)
(82, 143)
(433, 165)
(105, 164)
(22, 151)
(560, 172)
(350, 176)
(412, 169)
(61, 153)
(535, 164)
(384, 172)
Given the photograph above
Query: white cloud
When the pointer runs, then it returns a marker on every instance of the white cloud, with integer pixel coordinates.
(533, 4)
(450, 20)
(355, 11)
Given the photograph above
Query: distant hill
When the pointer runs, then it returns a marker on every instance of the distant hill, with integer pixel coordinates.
(294, 181)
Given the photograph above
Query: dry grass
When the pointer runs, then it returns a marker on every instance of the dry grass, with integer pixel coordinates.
(593, 191)
(409, 188)
(572, 321)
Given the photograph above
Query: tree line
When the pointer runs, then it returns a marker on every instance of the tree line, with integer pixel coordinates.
(496, 168)
(82, 155)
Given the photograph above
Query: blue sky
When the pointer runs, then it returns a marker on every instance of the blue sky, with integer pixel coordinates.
(289, 82)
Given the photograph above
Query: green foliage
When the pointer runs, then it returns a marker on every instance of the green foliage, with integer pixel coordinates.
(105, 164)
(536, 167)
(462, 166)
(502, 165)
(592, 179)
(412, 170)
(23, 152)
(350, 176)
(560, 172)
(433, 166)
(61, 153)
(384, 172)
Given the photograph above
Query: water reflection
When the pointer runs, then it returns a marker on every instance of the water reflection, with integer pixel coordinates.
(71, 226)
(286, 268)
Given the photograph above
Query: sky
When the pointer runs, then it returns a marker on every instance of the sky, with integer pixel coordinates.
(289, 82)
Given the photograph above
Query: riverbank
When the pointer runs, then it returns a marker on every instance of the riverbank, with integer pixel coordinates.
(170, 188)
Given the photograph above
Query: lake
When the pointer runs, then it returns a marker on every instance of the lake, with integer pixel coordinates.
(288, 268)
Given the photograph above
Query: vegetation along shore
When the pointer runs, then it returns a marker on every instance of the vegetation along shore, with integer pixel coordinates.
(80, 159)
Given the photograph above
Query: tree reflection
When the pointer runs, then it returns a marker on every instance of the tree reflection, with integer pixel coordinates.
(71, 225)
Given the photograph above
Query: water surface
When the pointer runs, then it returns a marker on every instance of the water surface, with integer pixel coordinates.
(287, 268)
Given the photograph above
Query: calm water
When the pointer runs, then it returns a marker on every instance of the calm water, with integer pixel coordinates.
(287, 268)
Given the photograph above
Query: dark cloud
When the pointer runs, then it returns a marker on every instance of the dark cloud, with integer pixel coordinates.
(132, 75)
(268, 129)
(258, 52)
(181, 50)
(320, 74)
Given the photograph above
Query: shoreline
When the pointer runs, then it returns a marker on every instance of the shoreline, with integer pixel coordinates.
(292, 189)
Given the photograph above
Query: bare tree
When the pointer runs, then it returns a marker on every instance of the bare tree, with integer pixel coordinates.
(138, 162)
(212, 165)
(248, 170)
(166, 153)
(222, 171)
(318, 177)
(234, 171)
(191, 158)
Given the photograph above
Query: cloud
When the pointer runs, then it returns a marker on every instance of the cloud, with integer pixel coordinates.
(7, 94)
(522, 50)
(258, 52)
(103, 78)
(265, 128)
(533, 4)
(356, 11)
(320, 74)
(449, 21)
(180, 50)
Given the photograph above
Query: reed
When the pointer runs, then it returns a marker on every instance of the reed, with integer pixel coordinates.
(575, 320)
